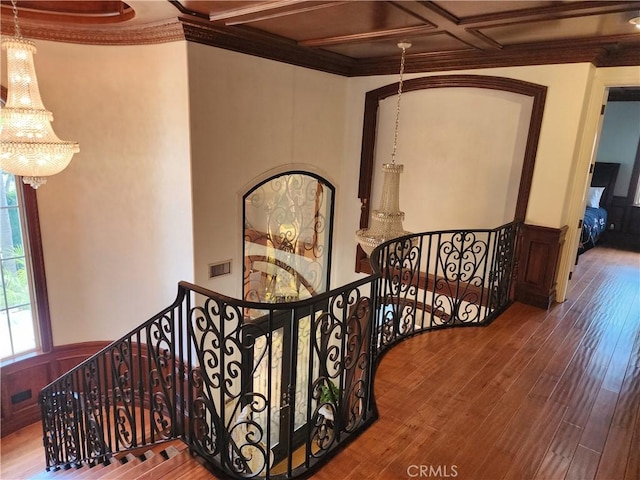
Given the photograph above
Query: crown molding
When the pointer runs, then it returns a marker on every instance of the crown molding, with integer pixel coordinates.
(601, 52)
(250, 42)
(160, 32)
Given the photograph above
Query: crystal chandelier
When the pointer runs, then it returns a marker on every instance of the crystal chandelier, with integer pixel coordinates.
(386, 221)
(28, 145)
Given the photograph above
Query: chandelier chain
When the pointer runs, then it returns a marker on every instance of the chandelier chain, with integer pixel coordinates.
(395, 133)
(16, 26)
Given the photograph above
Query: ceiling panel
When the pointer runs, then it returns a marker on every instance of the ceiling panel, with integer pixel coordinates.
(111, 11)
(464, 9)
(612, 24)
(342, 19)
(425, 44)
(354, 37)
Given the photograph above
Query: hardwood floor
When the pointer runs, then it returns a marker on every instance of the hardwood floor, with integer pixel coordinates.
(536, 395)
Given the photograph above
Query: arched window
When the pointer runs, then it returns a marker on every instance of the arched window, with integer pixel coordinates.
(287, 237)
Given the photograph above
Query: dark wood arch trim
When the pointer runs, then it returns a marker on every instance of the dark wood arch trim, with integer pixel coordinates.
(372, 102)
(37, 258)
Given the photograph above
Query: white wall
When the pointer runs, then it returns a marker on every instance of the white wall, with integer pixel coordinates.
(116, 224)
(250, 118)
(619, 141)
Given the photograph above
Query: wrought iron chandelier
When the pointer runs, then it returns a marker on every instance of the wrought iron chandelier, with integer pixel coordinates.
(28, 145)
(386, 221)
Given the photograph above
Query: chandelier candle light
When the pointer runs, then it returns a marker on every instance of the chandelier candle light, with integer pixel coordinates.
(386, 221)
(28, 145)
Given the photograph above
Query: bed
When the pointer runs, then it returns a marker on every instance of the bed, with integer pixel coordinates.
(599, 200)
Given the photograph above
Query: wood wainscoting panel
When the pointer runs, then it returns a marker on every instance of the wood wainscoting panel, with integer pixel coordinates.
(538, 259)
(23, 379)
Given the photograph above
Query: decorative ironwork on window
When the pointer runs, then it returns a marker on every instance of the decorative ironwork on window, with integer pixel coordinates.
(287, 238)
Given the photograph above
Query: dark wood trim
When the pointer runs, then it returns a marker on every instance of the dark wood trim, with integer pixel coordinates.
(33, 373)
(553, 10)
(449, 23)
(245, 40)
(38, 269)
(538, 258)
(422, 31)
(610, 52)
(153, 33)
(78, 15)
(372, 101)
(268, 13)
(482, 51)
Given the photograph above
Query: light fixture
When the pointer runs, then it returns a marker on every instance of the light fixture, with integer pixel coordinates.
(386, 221)
(635, 21)
(28, 145)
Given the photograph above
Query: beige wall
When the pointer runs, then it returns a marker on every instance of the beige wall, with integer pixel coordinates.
(463, 150)
(567, 87)
(116, 224)
(250, 118)
(172, 129)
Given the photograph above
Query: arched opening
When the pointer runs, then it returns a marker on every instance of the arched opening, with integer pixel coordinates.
(523, 103)
(287, 231)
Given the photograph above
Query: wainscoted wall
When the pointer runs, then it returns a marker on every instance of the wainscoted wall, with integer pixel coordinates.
(22, 381)
(538, 259)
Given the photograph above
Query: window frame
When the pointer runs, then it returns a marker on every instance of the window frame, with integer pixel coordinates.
(329, 221)
(42, 328)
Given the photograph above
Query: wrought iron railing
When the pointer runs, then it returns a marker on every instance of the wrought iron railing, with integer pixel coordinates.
(274, 394)
(443, 279)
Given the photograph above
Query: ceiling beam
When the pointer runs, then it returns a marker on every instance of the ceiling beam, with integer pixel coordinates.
(555, 11)
(398, 33)
(255, 9)
(282, 13)
(445, 21)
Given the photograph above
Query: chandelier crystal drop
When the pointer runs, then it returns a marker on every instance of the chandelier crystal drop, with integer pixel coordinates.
(386, 222)
(28, 145)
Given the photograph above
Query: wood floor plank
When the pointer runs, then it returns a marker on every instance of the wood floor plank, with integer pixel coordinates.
(557, 459)
(500, 456)
(597, 426)
(617, 450)
(632, 470)
(584, 464)
(528, 457)
(545, 395)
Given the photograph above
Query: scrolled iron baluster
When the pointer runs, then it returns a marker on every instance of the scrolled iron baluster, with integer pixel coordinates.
(356, 404)
(232, 348)
(247, 454)
(161, 377)
(322, 431)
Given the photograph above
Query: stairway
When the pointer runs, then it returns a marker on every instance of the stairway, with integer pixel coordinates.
(169, 461)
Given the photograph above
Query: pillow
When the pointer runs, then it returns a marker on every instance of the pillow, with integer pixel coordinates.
(595, 193)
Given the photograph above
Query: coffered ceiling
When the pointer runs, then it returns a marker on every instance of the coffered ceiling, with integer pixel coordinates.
(355, 37)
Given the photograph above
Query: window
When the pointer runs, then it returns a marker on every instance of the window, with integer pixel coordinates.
(24, 314)
(17, 326)
(25, 326)
(287, 238)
